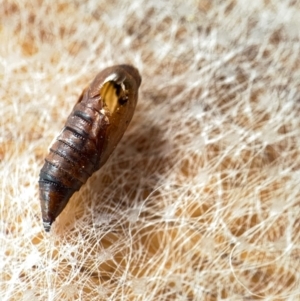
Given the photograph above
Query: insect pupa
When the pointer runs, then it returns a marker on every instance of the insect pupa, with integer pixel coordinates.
(91, 133)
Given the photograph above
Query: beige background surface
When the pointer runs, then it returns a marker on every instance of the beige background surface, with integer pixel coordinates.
(200, 200)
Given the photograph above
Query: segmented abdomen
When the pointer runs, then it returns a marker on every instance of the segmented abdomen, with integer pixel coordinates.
(73, 157)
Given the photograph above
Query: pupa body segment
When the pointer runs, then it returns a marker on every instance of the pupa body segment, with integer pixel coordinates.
(92, 131)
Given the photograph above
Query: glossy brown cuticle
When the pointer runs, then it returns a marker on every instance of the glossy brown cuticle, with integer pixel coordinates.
(92, 131)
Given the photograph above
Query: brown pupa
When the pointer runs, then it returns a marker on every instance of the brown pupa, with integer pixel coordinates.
(91, 133)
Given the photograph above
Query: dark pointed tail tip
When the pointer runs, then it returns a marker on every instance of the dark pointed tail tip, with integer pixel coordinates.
(47, 226)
